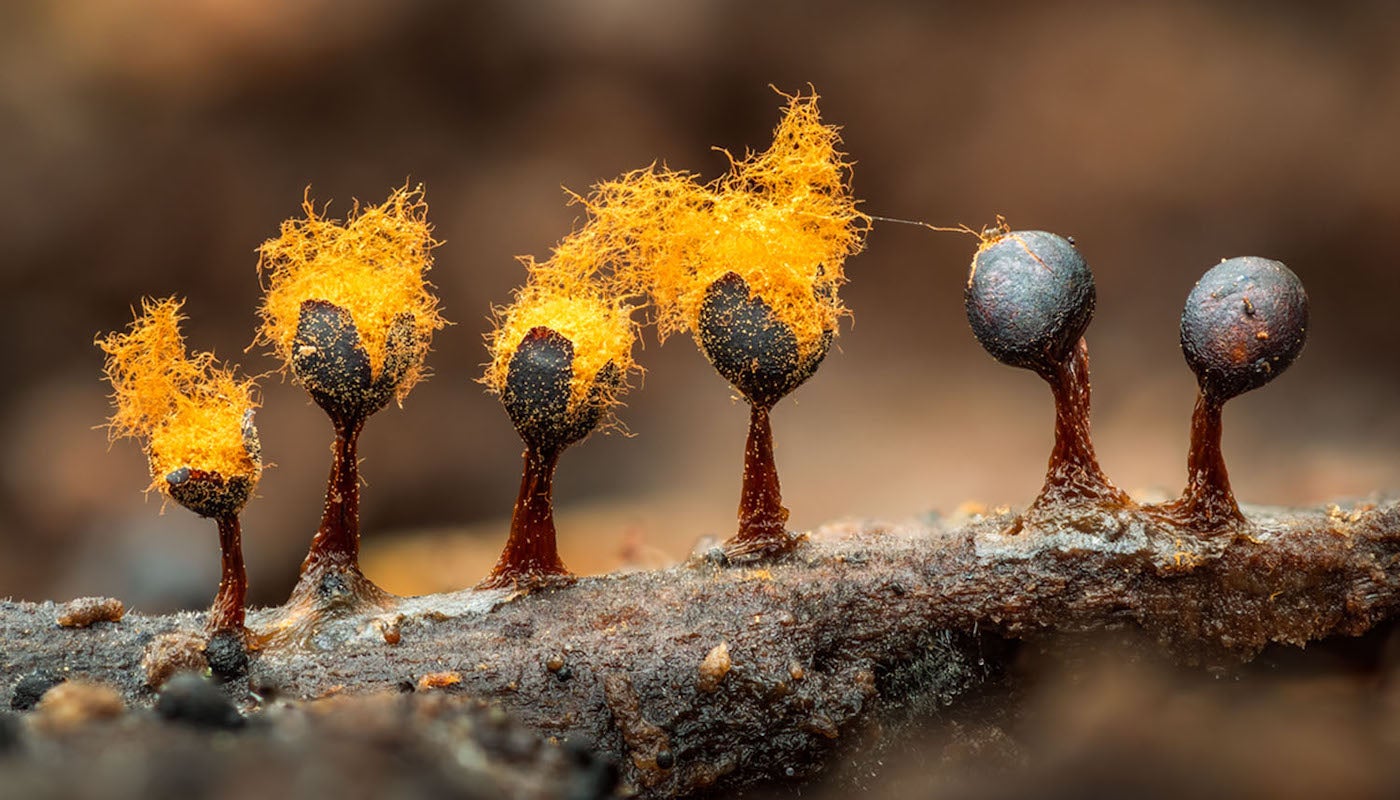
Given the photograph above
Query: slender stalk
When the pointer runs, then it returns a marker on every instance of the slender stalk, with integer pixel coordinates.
(227, 612)
(337, 540)
(762, 517)
(531, 555)
(1074, 472)
(1207, 503)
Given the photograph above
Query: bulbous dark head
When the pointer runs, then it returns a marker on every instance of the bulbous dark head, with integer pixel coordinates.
(752, 349)
(1244, 323)
(538, 389)
(1029, 299)
(330, 362)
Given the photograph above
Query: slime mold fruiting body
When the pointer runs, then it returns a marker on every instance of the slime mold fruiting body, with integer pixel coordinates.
(560, 355)
(1029, 299)
(759, 356)
(196, 421)
(349, 312)
(1244, 323)
(750, 265)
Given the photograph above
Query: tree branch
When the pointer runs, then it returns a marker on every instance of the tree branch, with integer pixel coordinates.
(715, 675)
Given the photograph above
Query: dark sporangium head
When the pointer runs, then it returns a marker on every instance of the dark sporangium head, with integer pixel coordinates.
(755, 351)
(537, 391)
(1029, 298)
(1245, 322)
(559, 359)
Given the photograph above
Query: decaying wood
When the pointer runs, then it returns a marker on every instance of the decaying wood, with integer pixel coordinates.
(722, 676)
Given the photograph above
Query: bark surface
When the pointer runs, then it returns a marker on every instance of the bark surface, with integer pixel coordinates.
(707, 676)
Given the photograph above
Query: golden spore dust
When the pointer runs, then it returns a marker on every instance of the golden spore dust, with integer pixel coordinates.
(598, 324)
(187, 409)
(372, 266)
(784, 220)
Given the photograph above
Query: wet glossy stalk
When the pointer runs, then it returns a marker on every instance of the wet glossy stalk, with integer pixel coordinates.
(1208, 502)
(227, 612)
(1074, 472)
(337, 540)
(530, 552)
(762, 517)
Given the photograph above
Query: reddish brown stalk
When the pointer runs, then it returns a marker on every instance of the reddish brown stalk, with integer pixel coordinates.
(337, 540)
(1074, 473)
(227, 612)
(331, 584)
(531, 557)
(762, 517)
(1207, 503)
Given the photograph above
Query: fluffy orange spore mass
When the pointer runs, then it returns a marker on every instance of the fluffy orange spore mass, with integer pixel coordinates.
(187, 410)
(596, 322)
(372, 266)
(784, 220)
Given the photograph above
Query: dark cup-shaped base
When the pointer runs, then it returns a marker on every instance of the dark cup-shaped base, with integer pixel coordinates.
(208, 494)
(751, 348)
(330, 361)
(538, 391)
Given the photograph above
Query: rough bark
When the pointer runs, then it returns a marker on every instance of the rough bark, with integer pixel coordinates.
(723, 677)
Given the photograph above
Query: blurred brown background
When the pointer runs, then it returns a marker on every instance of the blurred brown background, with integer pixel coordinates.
(148, 146)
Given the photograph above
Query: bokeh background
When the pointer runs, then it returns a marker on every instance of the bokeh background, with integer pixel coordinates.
(148, 146)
